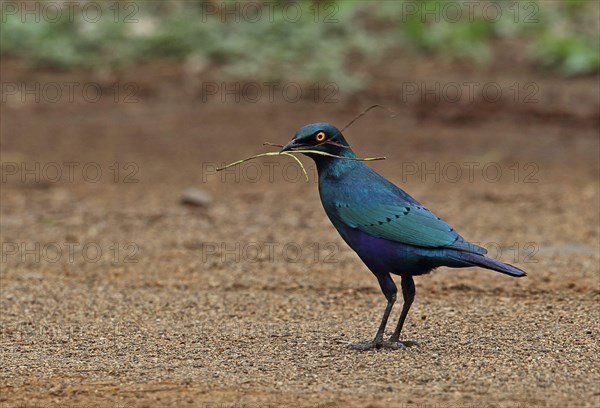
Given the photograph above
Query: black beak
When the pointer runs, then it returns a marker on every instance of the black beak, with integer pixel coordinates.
(290, 146)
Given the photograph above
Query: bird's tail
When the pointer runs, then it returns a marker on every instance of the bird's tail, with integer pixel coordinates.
(470, 259)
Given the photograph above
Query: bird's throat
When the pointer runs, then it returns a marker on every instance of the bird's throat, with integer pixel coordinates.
(335, 168)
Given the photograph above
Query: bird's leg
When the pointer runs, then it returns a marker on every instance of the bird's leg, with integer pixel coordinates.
(388, 287)
(377, 342)
(408, 292)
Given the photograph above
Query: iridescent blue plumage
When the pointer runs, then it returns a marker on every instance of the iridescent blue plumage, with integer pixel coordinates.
(390, 231)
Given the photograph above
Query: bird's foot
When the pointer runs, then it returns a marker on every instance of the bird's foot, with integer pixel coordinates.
(366, 345)
(379, 344)
(395, 343)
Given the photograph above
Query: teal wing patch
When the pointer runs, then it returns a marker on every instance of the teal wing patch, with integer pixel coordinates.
(407, 224)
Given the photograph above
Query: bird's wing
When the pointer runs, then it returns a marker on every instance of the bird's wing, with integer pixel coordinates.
(407, 224)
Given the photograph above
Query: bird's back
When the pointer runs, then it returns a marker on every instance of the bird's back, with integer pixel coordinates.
(371, 213)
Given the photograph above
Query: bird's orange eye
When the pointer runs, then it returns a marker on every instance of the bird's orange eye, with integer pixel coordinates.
(319, 137)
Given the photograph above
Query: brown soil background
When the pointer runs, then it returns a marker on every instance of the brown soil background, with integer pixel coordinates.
(183, 326)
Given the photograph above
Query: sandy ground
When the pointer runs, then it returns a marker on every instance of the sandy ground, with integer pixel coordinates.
(115, 294)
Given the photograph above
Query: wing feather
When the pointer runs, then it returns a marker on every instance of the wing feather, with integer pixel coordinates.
(407, 224)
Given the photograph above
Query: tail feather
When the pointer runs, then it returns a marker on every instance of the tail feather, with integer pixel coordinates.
(472, 259)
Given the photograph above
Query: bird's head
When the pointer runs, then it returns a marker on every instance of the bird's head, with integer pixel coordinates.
(322, 137)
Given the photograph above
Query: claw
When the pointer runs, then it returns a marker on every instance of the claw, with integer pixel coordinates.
(401, 344)
(388, 344)
(365, 345)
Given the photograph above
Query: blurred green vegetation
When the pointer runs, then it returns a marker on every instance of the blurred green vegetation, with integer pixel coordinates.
(560, 36)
